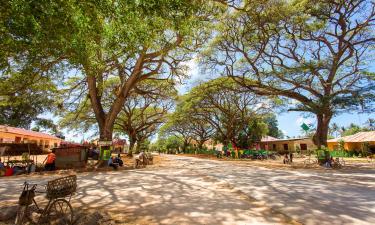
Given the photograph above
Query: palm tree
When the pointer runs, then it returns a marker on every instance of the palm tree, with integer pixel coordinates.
(370, 124)
(335, 129)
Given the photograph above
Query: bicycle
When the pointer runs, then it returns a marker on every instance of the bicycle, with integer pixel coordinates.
(338, 163)
(57, 211)
(309, 162)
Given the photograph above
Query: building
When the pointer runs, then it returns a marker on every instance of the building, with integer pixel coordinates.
(286, 145)
(119, 145)
(210, 144)
(355, 142)
(18, 135)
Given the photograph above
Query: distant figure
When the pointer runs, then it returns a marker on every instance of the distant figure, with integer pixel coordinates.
(286, 159)
(50, 161)
(225, 149)
(119, 160)
(2, 168)
(291, 157)
(1, 165)
(111, 163)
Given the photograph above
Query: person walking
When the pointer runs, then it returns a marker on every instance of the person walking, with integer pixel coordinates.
(50, 161)
(291, 157)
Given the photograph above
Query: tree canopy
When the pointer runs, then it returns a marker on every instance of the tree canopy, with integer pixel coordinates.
(315, 52)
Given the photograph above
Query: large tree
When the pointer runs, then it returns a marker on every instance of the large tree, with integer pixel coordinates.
(315, 52)
(132, 40)
(178, 127)
(189, 125)
(227, 107)
(142, 114)
(23, 98)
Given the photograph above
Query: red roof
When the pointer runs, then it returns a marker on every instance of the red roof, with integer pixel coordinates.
(20, 131)
(119, 142)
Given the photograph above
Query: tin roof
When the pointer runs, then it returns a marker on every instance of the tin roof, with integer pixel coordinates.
(268, 138)
(20, 131)
(272, 139)
(358, 137)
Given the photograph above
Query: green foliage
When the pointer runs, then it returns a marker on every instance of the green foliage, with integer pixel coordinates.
(169, 144)
(46, 125)
(99, 40)
(352, 129)
(229, 109)
(315, 52)
(272, 126)
(24, 97)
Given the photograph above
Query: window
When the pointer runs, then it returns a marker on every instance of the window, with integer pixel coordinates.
(303, 146)
(17, 139)
(274, 147)
(286, 147)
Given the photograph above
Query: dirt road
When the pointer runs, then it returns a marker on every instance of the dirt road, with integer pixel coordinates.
(188, 190)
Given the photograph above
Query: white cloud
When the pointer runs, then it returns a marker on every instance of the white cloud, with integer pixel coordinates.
(300, 120)
(192, 68)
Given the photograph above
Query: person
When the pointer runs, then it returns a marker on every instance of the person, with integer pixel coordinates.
(119, 160)
(2, 168)
(291, 157)
(236, 152)
(112, 163)
(50, 161)
(286, 159)
(1, 165)
(225, 149)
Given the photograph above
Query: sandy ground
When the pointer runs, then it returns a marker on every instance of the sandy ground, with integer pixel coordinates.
(187, 190)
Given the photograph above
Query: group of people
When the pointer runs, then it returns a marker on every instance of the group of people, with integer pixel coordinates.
(115, 162)
(329, 162)
(14, 169)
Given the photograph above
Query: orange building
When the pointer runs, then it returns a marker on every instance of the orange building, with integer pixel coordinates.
(355, 142)
(287, 145)
(18, 135)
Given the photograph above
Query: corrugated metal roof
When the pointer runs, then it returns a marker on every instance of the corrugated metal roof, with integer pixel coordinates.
(268, 138)
(272, 139)
(358, 137)
(20, 131)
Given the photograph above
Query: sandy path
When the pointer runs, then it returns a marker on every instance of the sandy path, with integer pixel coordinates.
(186, 190)
(169, 194)
(308, 196)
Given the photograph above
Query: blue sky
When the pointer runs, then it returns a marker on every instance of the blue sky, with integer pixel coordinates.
(290, 122)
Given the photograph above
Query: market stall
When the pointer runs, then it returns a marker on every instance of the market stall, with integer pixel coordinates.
(19, 158)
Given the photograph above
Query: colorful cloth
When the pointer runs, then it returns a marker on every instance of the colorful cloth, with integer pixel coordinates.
(51, 158)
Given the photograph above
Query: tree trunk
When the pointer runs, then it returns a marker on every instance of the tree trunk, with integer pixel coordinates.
(105, 132)
(186, 142)
(131, 146)
(200, 144)
(321, 134)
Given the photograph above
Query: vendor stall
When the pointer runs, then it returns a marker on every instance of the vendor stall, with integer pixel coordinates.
(18, 157)
(68, 157)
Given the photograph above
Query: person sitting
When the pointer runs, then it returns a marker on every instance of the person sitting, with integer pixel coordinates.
(118, 160)
(50, 161)
(112, 163)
